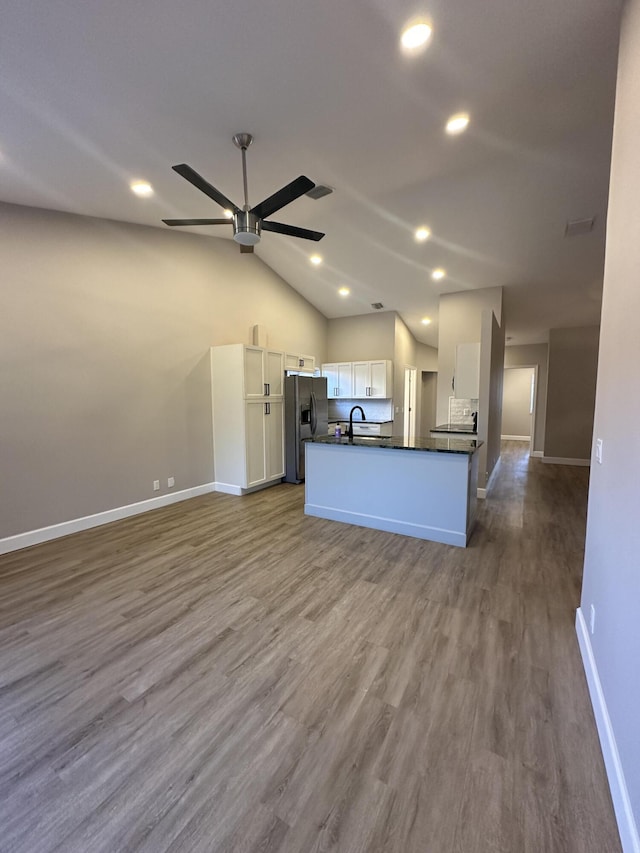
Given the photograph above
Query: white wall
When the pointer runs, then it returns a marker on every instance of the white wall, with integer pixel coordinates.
(490, 401)
(105, 331)
(612, 562)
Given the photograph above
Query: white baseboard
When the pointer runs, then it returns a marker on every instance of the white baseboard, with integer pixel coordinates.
(390, 525)
(562, 460)
(617, 784)
(482, 493)
(538, 454)
(515, 437)
(75, 525)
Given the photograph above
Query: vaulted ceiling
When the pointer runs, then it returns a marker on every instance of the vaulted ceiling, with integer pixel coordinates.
(93, 95)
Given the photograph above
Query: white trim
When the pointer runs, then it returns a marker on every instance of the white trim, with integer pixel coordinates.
(75, 525)
(515, 438)
(563, 460)
(538, 454)
(231, 489)
(482, 493)
(615, 774)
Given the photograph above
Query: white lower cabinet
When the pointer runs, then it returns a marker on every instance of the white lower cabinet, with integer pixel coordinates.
(248, 431)
(263, 442)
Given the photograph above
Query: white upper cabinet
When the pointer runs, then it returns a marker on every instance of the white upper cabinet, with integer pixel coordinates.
(263, 372)
(299, 362)
(467, 375)
(373, 379)
(359, 379)
(339, 379)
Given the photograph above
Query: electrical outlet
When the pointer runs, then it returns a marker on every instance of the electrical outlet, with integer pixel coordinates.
(171, 482)
(593, 619)
(156, 485)
(599, 450)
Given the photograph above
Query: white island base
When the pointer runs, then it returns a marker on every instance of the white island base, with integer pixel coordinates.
(428, 495)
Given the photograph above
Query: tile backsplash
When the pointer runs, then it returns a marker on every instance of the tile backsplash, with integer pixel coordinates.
(374, 410)
(461, 411)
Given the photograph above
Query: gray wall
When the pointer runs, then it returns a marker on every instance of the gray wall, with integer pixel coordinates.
(530, 355)
(428, 398)
(516, 401)
(364, 337)
(105, 330)
(460, 322)
(490, 401)
(571, 392)
(611, 570)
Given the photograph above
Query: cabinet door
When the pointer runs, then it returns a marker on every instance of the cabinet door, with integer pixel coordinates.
(274, 438)
(344, 374)
(255, 439)
(331, 373)
(254, 372)
(361, 378)
(378, 379)
(274, 373)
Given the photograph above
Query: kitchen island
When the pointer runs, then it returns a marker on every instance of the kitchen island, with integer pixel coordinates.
(424, 487)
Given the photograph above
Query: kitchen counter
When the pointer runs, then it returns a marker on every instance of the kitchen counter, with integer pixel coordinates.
(465, 428)
(425, 487)
(358, 421)
(394, 442)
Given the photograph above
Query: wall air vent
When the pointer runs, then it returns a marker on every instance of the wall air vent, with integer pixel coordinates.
(377, 305)
(319, 191)
(575, 227)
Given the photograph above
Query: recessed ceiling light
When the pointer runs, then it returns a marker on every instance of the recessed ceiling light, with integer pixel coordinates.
(415, 36)
(425, 321)
(141, 188)
(423, 233)
(316, 260)
(228, 213)
(457, 123)
(344, 291)
(438, 274)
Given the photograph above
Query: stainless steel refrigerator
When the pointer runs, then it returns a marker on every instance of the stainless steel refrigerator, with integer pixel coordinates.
(305, 415)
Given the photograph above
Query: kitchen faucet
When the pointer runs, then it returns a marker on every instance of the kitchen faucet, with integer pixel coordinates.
(350, 430)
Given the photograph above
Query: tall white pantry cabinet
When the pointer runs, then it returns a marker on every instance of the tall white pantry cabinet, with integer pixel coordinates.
(247, 385)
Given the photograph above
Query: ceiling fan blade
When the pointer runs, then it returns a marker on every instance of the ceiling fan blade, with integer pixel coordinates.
(283, 197)
(246, 250)
(198, 221)
(292, 230)
(199, 183)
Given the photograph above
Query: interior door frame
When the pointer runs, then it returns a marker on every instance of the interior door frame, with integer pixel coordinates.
(409, 402)
(533, 367)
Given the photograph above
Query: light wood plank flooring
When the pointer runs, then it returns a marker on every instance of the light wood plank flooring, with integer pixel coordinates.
(228, 675)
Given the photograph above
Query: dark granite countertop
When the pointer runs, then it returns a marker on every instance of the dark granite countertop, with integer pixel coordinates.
(395, 442)
(356, 422)
(466, 428)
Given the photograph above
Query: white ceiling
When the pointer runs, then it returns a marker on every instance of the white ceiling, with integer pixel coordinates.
(93, 95)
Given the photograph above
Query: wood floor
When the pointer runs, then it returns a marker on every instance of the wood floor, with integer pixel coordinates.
(228, 675)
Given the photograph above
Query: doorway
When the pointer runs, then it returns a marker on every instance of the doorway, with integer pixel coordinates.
(518, 404)
(409, 431)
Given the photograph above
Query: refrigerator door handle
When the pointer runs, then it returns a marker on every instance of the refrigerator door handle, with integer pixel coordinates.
(314, 414)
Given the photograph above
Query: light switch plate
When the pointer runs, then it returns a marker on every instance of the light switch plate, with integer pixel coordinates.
(599, 450)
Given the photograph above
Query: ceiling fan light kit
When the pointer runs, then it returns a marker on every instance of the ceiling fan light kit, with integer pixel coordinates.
(249, 222)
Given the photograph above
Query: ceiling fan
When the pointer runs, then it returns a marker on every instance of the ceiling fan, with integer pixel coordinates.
(248, 222)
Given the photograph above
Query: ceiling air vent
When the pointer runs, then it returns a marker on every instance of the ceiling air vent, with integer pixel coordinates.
(319, 191)
(578, 226)
(377, 305)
